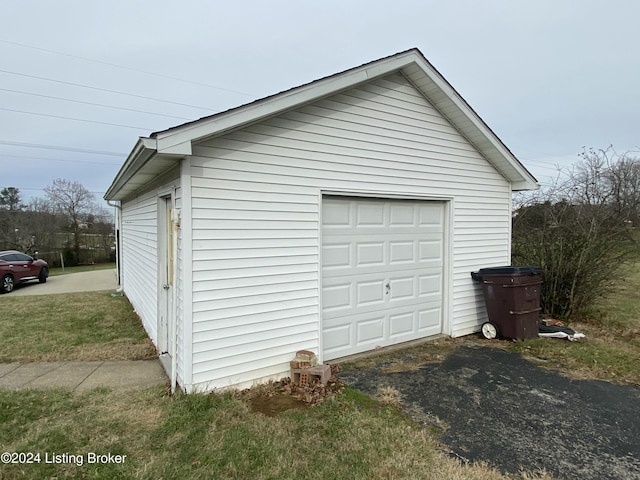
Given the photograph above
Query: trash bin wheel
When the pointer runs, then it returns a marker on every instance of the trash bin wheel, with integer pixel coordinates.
(489, 330)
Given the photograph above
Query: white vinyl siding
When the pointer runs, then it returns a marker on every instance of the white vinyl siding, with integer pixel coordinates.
(139, 232)
(256, 219)
(139, 259)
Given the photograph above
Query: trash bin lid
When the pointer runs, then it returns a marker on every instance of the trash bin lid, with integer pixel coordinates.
(506, 270)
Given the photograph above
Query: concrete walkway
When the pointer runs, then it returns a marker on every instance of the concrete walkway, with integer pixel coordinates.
(95, 280)
(75, 375)
(79, 376)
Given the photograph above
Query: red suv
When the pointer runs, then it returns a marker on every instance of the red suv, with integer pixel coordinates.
(16, 267)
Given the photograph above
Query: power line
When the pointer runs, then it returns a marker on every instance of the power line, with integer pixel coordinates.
(58, 160)
(105, 90)
(146, 72)
(93, 104)
(75, 119)
(42, 190)
(541, 163)
(57, 147)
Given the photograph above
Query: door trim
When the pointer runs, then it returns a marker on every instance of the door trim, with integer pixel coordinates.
(166, 262)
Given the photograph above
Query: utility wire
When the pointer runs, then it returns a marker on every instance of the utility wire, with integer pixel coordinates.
(93, 104)
(146, 72)
(58, 160)
(75, 119)
(42, 190)
(542, 163)
(106, 90)
(57, 147)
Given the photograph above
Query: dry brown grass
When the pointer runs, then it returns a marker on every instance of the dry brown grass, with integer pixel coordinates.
(406, 358)
(389, 396)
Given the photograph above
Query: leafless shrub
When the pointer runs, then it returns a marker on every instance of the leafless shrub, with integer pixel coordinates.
(580, 231)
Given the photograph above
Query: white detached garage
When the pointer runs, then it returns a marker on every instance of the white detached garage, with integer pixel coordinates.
(340, 216)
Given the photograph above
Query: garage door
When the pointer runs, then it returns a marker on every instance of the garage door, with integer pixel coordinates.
(382, 264)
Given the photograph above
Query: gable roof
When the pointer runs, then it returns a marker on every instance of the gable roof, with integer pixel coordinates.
(158, 153)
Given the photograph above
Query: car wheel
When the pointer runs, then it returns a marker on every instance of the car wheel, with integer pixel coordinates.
(6, 284)
(489, 330)
(44, 273)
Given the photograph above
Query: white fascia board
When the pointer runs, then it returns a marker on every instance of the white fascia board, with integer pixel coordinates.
(148, 143)
(522, 186)
(144, 150)
(472, 125)
(180, 149)
(251, 113)
(140, 154)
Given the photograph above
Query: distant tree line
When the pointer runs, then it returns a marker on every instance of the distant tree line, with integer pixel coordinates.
(66, 225)
(581, 231)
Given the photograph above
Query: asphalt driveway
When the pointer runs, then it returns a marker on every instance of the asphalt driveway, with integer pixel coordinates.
(95, 280)
(492, 405)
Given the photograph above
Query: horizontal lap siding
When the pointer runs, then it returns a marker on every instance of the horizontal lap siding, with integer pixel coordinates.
(140, 265)
(139, 258)
(256, 218)
(255, 255)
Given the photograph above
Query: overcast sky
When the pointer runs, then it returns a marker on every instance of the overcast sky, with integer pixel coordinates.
(80, 80)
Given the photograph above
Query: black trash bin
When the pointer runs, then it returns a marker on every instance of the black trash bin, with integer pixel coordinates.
(512, 298)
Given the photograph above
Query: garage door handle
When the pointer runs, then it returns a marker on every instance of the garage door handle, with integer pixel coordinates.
(388, 287)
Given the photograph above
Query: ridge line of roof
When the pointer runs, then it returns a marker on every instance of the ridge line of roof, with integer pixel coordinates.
(289, 90)
(411, 63)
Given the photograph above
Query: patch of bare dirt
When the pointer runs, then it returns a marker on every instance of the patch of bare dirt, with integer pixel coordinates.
(274, 405)
(273, 398)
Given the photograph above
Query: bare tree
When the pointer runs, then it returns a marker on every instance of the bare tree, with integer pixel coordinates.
(76, 203)
(43, 224)
(604, 177)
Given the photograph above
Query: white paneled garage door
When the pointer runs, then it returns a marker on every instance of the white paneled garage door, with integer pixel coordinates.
(382, 272)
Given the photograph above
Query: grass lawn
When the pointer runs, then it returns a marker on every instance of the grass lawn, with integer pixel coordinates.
(222, 435)
(81, 268)
(218, 436)
(79, 326)
(188, 436)
(611, 349)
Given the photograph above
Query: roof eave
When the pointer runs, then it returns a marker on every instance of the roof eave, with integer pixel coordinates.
(177, 142)
(455, 108)
(145, 162)
(254, 112)
(412, 64)
(143, 150)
